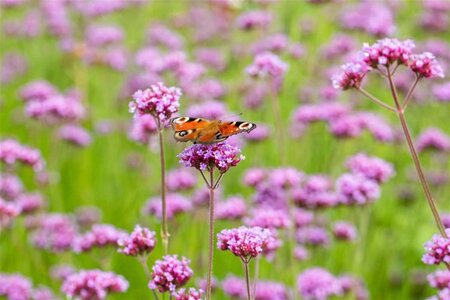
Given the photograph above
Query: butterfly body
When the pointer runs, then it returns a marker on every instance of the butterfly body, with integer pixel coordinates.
(204, 131)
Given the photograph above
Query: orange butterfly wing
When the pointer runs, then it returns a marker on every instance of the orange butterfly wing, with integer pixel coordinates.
(231, 128)
(188, 129)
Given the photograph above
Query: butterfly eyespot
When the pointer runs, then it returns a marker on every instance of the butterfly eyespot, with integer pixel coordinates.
(180, 120)
(247, 126)
(182, 133)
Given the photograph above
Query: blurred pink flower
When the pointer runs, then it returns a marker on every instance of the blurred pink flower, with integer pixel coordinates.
(140, 242)
(93, 284)
(170, 273)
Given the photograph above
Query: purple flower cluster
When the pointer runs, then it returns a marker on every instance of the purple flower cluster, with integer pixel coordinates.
(140, 242)
(175, 204)
(371, 167)
(386, 52)
(437, 250)
(234, 287)
(442, 92)
(267, 217)
(10, 186)
(170, 273)
(425, 65)
(14, 65)
(188, 294)
(143, 127)
(350, 76)
(180, 180)
(357, 189)
(313, 235)
(232, 208)
(375, 18)
(100, 35)
(344, 231)
(100, 235)
(267, 64)
(12, 152)
(433, 139)
(54, 232)
(15, 287)
(93, 284)
(255, 19)
(223, 156)
(8, 211)
(75, 135)
(439, 279)
(244, 242)
(158, 100)
(318, 284)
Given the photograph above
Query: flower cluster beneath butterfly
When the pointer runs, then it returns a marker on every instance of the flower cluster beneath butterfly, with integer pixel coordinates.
(202, 131)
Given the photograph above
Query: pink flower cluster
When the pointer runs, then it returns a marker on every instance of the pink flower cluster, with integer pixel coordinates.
(14, 286)
(357, 189)
(140, 242)
(188, 294)
(180, 180)
(255, 19)
(267, 217)
(93, 284)
(158, 100)
(100, 235)
(54, 232)
(232, 208)
(371, 167)
(175, 204)
(433, 139)
(234, 287)
(8, 211)
(437, 250)
(267, 64)
(74, 134)
(318, 284)
(244, 242)
(170, 273)
(222, 156)
(12, 152)
(382, 55)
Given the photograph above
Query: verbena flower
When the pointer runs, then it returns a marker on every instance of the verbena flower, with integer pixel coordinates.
(30, 202)
(244, 242)
(356, 189)
(15, 287)
(170, 273)
(212, 110)
(8, 211)
(254, 19)
(62, 271)
(267, 64)
(437, 250)
(54, 232)
(370, 167)
(93, 284)
(318, 284)
(350, 76)
(313, 235)
(175, 204)
(100, 235)
(254, 176)
(386, 52)
(180, 179)
(10, 186)
(268, 218)
(223, 156)
(439, 279)
(143, 127)
(425, 65)
(188, 294)
(232, 208)
(344, 231)
(442, 92)
(433, 139)
(101, 35)
(87, 216)
(75, 135)
(235, 288)
(140, 242)
(12, 152)
(43, 293)
(158, 100)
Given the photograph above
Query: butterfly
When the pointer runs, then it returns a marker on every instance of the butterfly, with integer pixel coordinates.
(202, 131)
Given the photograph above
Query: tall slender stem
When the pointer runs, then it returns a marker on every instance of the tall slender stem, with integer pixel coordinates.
(376, 100)
(247, 278)
(211, 233)
(164, 228)
(409, 94)
(143, 261)
(415, 157)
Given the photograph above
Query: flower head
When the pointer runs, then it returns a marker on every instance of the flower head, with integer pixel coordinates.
(244, 242)
(55, 232)
(15, 287)
(158, 100)
(434, 139)
(176, 204)
(344, 231)
(437, 250)
(100, 235)
(350, 76)
(11, 152)
(267, 64)
(425, 65)
(370, 167)
(440, 279)
(170, 273)
(223, 156)
(357, 189)
(386, 52)
(93, 284)
(188, 294)
(318, 284)
(140, 242)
